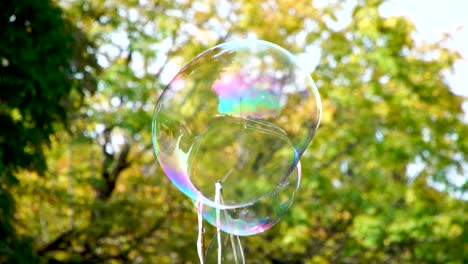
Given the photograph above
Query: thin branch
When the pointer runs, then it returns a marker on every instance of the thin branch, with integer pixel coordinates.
(58, 243)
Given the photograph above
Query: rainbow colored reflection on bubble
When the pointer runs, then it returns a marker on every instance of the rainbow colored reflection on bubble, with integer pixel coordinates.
(239, 95)
(176, 168)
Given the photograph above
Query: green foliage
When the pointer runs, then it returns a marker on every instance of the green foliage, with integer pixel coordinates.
(37, 79)
(40, 62)
(387, 109)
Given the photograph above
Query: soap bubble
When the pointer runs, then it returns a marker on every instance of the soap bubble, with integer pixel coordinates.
(241, 113)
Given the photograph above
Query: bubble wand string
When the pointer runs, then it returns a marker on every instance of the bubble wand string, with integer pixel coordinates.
(235, 242)
(231, 238)
(218, 222)
(201, 233)
(238, 259)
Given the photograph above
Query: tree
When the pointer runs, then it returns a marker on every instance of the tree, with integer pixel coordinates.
(40, 62)
(386, 108)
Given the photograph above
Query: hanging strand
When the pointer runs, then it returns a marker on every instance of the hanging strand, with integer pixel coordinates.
(218, 189)
(234, 240)
(200, 244)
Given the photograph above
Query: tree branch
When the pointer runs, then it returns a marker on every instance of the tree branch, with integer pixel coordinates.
(58, 243)
(112, 166)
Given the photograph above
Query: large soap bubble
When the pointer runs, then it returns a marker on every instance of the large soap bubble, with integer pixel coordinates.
(240, 114)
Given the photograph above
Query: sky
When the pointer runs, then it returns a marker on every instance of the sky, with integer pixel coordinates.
(432, 18)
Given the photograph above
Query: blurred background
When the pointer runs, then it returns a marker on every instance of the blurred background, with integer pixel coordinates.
(384, 180)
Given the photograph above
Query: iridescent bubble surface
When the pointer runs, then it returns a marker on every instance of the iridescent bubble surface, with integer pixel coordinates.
(242, 113)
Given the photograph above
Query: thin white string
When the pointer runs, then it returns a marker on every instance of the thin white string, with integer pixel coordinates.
(218, 221)
(233, 246)
(231, 237)
(242, 258)
(199, 205)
